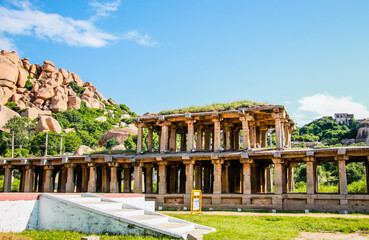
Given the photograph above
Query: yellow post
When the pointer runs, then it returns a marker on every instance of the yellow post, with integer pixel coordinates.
(196, 201)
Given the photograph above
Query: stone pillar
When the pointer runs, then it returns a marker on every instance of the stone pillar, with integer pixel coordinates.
(268, 182)
(216, 135)
(127, 179)
(138, 178)
(139, 137)
(84, 185)
(342, 173)
(257, 137)
(225, 178)
(217, 186)
(198, 177)
(183, 142)
(173, 140)
(190, 135)
(264, 138)
(162, 183)
(104, 179)
(114, 184)
(182, 180)
(148, 178)
(228, 135)
(8, 172)
(93, 177)
(286, 134)
(189, 175)
(310, 174)
(29, 177)
(62, 180)
(164, 137)
(69, 187)
(252, 135)
(290, 177)
(173, 178)
(247, 186)
(207, 182)
(207, 139)
(236, 136)
(149, 138)
(48, 175)
(279, 128)
(199, 138)
(245, 133)
(280, 186)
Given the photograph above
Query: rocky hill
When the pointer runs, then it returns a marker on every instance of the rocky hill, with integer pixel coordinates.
(44, 87)
(56, 100)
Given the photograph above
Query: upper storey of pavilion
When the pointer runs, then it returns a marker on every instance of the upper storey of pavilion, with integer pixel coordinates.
(241, 128)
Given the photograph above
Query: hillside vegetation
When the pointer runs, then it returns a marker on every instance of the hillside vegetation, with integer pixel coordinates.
(86, 131)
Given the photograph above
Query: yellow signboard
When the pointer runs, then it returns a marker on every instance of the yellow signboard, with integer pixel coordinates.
(196, 201)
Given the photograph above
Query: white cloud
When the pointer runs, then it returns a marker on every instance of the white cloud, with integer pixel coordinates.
(140, 39)
(320, 105)
(24, 19)
(103, 9)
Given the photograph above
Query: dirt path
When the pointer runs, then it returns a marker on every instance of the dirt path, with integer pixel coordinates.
(323, 215)
(330, 236)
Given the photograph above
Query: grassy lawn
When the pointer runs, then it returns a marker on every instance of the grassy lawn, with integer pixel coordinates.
(238, 227)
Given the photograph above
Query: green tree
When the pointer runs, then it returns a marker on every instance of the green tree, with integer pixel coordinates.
(23, 129)
(111, 143)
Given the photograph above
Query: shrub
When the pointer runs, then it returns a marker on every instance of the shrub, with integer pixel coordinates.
(357, 187)
(29, 85)
(111, 143)
(77, 89)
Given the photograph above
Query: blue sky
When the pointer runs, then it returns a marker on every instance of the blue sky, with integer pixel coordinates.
(311, 56)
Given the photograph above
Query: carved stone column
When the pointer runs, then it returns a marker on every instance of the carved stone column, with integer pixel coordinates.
(173, 178)
(247, 185)
(162, 184)
(183, 142)
(207, 139)
(127, 179)
(84, 185)
(199, 138)
(164, 137)
(189, 175)
(114, 185)
(139, 137)
(138, 177)
(149, 138)
(342, 173)
(93, 178)
(280, 175)
(190, 134)
(173, 139)
(216, 134)
(69, 187)
(217, 186)
(148, 178)
(48, 183)
(310, 174)
(198, 177)
(245, 132)
(29, 177)
(225, 177)
(8, 172)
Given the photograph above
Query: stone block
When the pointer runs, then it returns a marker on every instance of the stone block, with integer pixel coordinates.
(92, 237)
(194, 236)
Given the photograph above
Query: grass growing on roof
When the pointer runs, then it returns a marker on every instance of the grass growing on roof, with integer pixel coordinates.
(212, 107)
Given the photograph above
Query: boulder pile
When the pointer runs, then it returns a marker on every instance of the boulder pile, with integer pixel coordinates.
(43, 88)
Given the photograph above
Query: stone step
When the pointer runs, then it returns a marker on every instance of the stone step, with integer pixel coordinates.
(149, 219)
(82, 199)
(177, 227)
(124, 212)
(103, 205)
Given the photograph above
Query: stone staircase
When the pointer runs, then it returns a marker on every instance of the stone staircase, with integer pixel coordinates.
(149, 222)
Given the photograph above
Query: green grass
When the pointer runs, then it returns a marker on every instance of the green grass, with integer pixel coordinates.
(239, 227)
(212, 107)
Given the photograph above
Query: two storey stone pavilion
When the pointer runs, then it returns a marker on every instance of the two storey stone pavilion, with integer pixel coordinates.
(227, 154)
